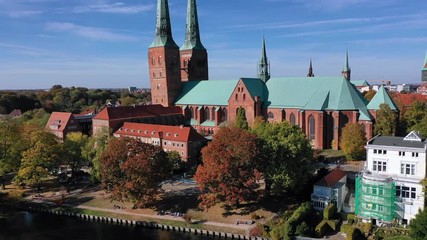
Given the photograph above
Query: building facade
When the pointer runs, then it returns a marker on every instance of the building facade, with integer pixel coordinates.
(111, 118)
(62, 123)
(331, 189)
(320, 106)
(184, 140)
(389, 187)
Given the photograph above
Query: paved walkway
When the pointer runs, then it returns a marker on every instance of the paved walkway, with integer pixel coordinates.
(164, 217)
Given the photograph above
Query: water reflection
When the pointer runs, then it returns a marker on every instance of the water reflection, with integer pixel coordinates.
(39, 226)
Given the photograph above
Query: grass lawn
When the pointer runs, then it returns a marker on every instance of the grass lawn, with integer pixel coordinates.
(327, 153)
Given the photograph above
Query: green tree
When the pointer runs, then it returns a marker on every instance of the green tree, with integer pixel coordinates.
(41, 158)
(95, 147)
(132, 170)
(353, 141)
(287, 155)
(418, 226)
(385, 123)
(74, 146)
(416, 117)
(176, 162)
(241, 121)
(369, 94)
(229, 171)
(12, 144)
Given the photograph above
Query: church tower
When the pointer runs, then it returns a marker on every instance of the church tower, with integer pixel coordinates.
(163, 60)
(310, 70)
(263, 65)
(346, 71)
(424, 71)
(194, 57)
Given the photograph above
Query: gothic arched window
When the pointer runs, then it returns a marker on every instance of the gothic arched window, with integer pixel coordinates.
(207, 114)
(292, 119)
(311, 128)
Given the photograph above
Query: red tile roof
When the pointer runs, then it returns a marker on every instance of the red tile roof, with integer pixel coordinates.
(332, 178)
(58, 121)
(173, 133)
(110, 113)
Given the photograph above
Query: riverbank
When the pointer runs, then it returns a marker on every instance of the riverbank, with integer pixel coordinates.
(129, 220)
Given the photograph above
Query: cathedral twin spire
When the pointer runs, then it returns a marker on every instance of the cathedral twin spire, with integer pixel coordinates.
(164, 37)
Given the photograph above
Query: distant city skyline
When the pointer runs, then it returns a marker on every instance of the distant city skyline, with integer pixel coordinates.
(104, 44)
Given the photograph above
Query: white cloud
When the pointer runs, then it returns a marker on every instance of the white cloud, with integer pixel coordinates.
(89, 32)
(117, 7)
(23, 13)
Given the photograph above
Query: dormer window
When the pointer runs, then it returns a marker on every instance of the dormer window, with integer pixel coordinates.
(168, 134)
(176, 135)
(126, 129)
(146, 131)
(139, 131)
(153, 132)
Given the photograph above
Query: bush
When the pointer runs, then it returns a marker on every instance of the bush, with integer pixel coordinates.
(355, 234)
(350, 221)
(351, 216)
(303, 230)
(346, 228)
(322, 228)
(329, 212)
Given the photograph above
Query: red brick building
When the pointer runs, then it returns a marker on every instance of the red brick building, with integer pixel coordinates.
(184, 140)
(62, 123)
(321, 106)
(113, 117)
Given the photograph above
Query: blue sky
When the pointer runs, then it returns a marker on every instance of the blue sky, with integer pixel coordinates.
(103, 43)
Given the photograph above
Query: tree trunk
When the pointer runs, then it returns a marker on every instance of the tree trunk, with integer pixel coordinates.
(3, 184)
(267, 191)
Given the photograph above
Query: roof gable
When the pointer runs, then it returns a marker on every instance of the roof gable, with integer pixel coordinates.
(413, 136)
(255, 87)
(381, 97)
(58, 121)
(332, 178)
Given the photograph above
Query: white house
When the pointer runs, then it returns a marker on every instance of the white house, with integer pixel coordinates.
(389, 187)
(330, 189)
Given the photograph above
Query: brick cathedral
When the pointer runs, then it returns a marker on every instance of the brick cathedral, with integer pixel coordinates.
(320, 106)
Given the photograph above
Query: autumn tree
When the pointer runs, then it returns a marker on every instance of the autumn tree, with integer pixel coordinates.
(241, 121)
(132, 170)
(385, 122)
(287, 155)
(229, 171)
(41, 158)
(353, 141)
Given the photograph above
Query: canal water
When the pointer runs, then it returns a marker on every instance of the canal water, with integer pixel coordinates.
(42, 226)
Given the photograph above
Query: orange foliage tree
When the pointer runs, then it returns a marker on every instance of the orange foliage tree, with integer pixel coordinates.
(229, 172)
(132, 171)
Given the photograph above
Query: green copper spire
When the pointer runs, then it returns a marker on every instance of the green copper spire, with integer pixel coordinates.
(346, 71)
(192, 35)
(310, 70)
(346, 64)
(263, 66)
(163, 26)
